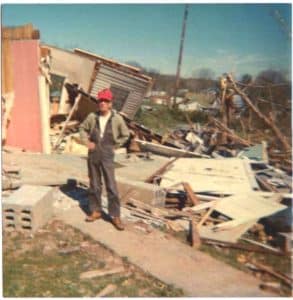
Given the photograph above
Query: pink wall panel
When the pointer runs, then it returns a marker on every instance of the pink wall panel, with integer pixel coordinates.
(25, 128)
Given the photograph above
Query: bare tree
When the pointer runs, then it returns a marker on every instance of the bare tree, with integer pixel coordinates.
(270, 76)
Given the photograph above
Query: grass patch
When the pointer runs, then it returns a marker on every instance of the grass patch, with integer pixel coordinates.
(160, 119)
(163, 119)
(32, 267)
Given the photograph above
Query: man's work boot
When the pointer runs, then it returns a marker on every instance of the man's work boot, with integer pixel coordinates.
(94, 216)
(117, 223)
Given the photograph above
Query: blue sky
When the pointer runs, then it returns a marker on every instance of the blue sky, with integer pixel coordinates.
(238, 38)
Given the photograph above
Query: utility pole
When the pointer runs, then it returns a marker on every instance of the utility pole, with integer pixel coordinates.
(180, 54)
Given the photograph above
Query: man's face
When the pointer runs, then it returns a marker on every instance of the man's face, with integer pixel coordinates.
(105, 105)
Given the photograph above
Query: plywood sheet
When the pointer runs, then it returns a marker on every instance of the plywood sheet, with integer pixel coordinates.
(248, 206)
(227, 176)
(231, 235)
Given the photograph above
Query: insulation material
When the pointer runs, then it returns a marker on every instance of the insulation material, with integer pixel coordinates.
(25, 127)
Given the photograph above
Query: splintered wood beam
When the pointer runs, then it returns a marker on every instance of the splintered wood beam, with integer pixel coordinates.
(264, 184)
(160, 171)
(230, 133)
(264, 118)
(190, 194)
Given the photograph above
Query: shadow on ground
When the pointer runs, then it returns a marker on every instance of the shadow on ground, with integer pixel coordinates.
(80, 194)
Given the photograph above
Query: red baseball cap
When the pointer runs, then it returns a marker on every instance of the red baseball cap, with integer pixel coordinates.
(105, 94)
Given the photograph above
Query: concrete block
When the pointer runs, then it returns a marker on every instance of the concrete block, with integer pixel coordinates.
(28, 208)
(145, 192)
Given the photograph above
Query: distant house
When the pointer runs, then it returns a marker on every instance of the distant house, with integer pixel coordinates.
(163, 100)
(178, 99)
(191, 106)
(158, 93)
(182, 92)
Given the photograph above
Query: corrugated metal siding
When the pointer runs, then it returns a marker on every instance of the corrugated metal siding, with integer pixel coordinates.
(135, 85)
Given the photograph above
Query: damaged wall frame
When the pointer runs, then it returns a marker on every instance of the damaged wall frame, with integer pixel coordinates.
(128, 85)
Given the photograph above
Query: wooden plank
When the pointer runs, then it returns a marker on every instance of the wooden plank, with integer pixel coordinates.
(166, 150)
(73, 109)
(218, 176)
(100, 273)
(260, 244)
(287, 280)
(205, 217)
(239, 246)
(200, 206)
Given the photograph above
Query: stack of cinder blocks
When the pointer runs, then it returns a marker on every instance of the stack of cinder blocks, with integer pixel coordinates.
(28, 208)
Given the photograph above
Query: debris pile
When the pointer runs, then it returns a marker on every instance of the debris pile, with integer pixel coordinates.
(11, 178)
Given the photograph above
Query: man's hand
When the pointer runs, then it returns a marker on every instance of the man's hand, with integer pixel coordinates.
(91, 145)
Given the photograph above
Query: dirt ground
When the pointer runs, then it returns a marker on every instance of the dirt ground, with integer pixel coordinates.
(49, 264)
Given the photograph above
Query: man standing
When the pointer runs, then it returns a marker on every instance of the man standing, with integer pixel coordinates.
(101, 132)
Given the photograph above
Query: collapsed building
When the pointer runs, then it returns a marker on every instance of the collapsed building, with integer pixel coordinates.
(28, 68)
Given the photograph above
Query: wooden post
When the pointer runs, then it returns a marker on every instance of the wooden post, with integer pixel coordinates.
(194, 234)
